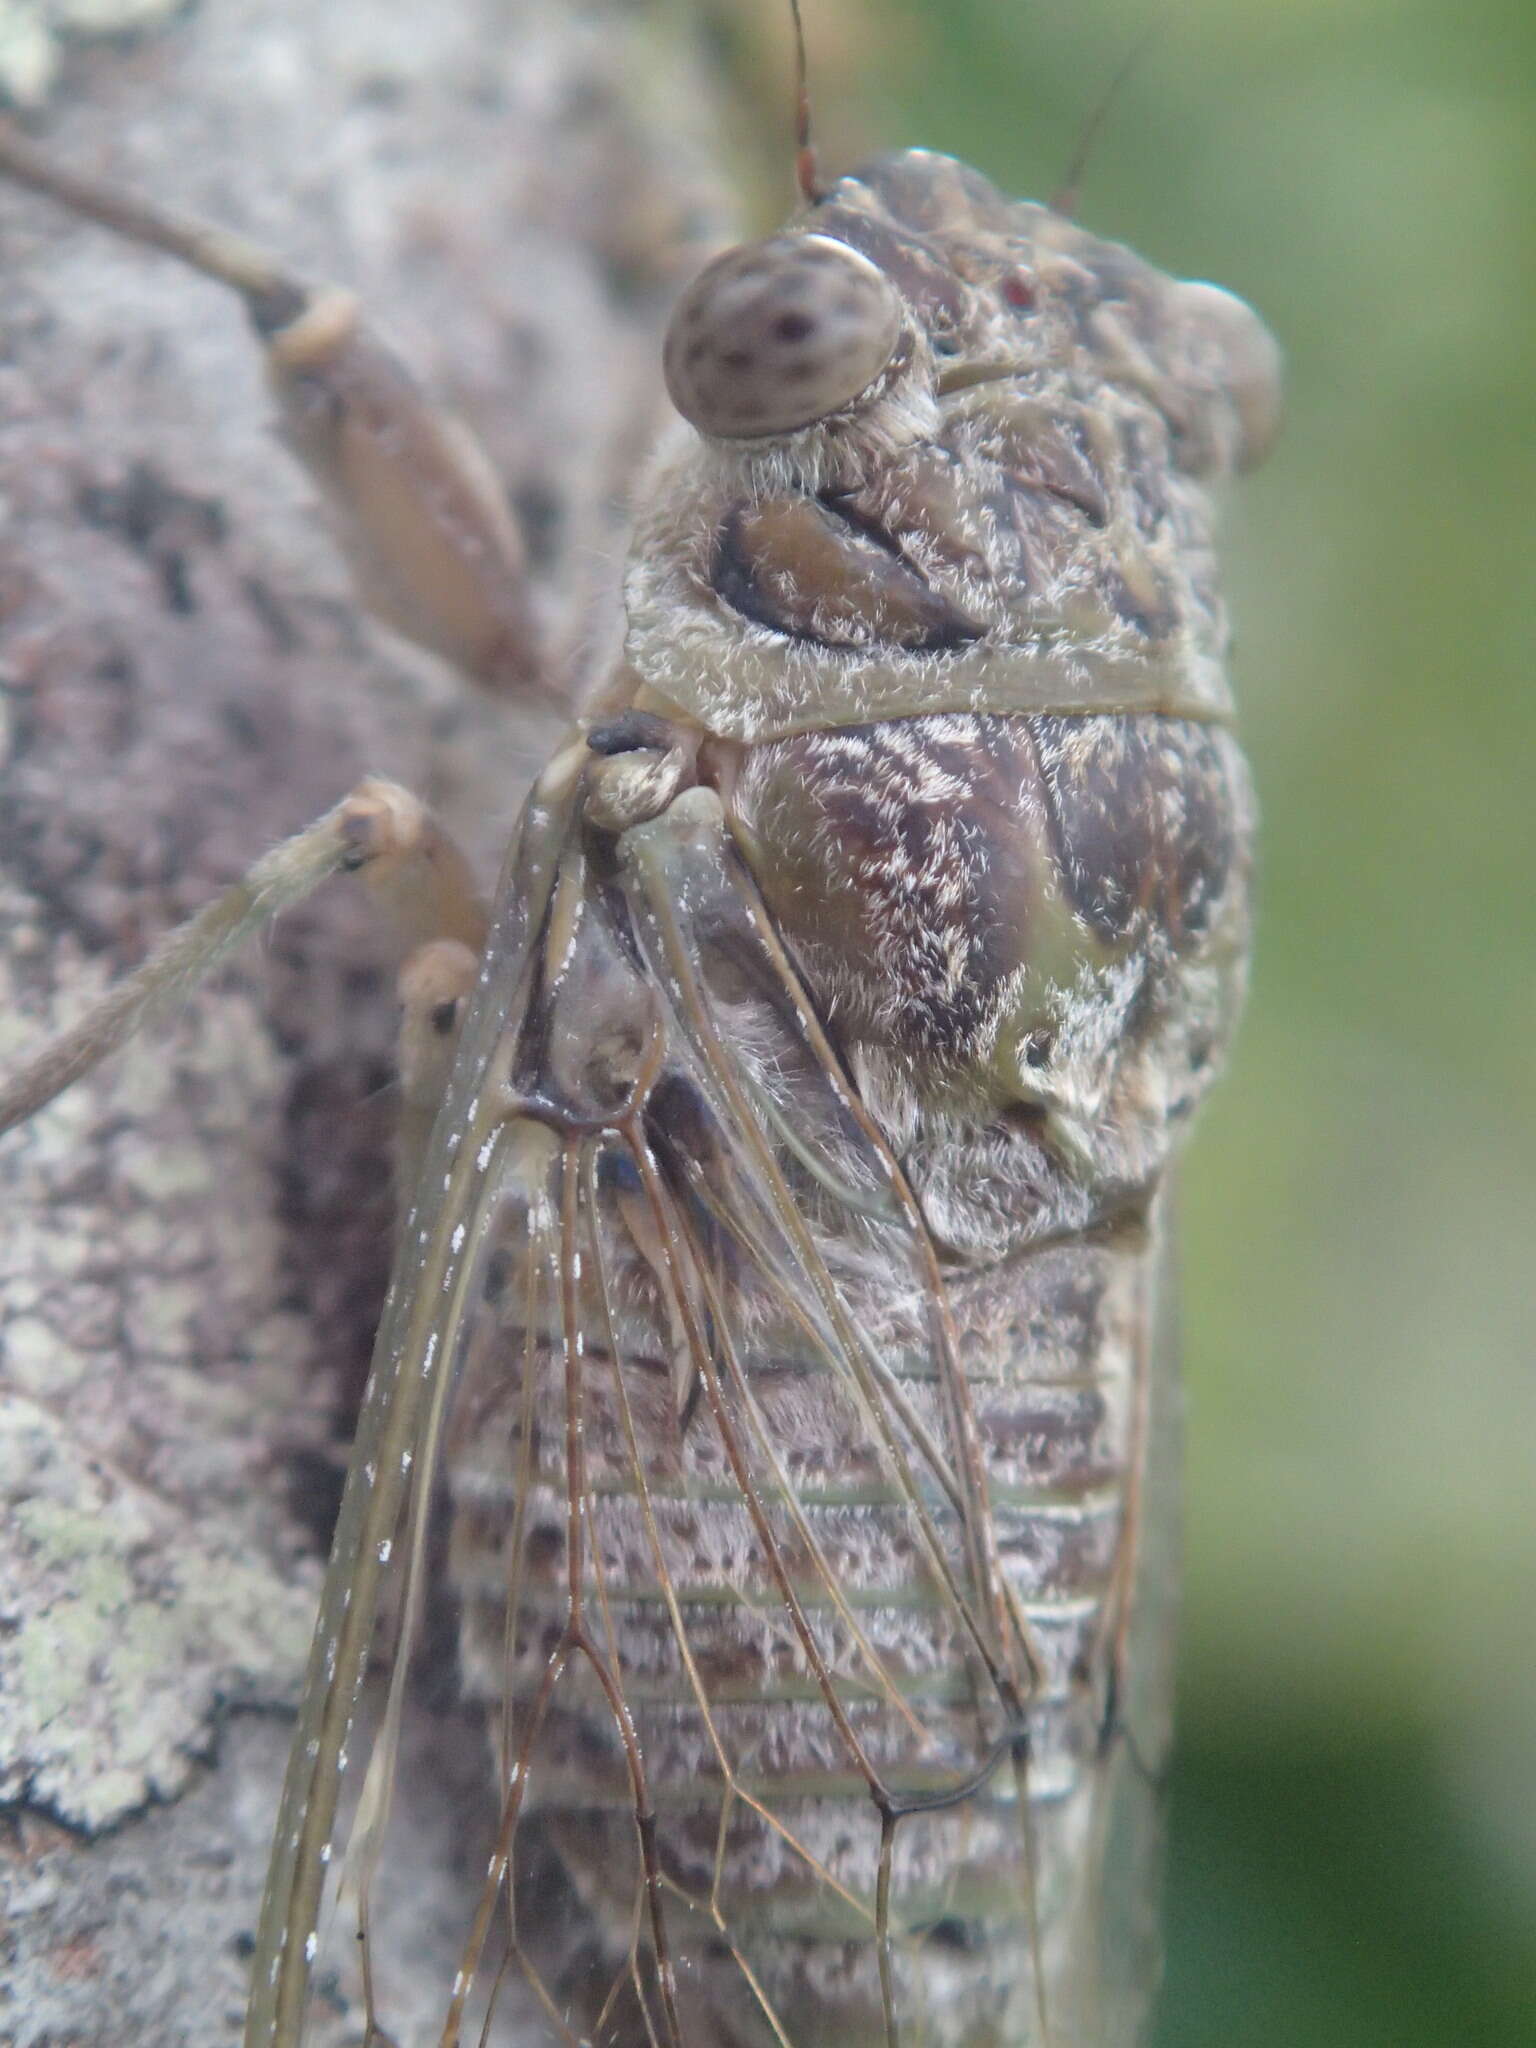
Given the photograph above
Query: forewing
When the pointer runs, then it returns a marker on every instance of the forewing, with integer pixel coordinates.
(814, 1759)
(392, 1469)
(1116, 1944)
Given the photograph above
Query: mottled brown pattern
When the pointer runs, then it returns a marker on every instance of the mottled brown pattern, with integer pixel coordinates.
(938, 837)
(1056, 1447)
(795, 1220)
(917, 868)
(1145, 820)
(899, 863)
(963, 632)
(920, 271)
(1041, 449)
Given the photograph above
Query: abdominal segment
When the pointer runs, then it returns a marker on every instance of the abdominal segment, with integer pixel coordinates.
(765, 1762)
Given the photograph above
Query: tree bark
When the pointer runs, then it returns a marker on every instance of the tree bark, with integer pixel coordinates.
(195, 1240)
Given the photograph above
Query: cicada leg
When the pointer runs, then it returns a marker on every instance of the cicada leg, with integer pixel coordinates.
(414, 868)
(432, 985)
(434, 554)
(434, 551)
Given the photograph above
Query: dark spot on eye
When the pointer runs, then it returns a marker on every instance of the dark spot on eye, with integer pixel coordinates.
(1018, 291)
(1037, 1049)
(695, 352)
(444, 1015)
(736, 359)
(793, 327)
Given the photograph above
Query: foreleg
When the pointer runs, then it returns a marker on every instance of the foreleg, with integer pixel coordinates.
(380, 830)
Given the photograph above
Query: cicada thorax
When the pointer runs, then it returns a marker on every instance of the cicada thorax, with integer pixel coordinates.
(1015, 515)
(807, 1429)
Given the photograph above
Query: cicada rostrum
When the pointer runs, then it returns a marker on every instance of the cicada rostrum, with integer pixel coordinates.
(774, 1369)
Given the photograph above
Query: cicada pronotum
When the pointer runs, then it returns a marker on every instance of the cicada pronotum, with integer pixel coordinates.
(776, 1348)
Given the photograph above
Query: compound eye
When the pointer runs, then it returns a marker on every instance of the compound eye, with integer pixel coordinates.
(1227, 333)
(776, 335)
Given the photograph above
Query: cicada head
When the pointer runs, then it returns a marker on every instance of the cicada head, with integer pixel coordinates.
(1009, 289)
(913, 279)
(945, 451)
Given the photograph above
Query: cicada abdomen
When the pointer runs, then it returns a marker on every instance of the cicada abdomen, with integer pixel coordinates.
(780, 1302)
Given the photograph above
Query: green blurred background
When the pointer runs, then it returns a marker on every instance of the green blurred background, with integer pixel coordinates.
(1354, 1826)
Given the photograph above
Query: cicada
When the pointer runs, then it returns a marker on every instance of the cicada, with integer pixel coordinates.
(775, 1369)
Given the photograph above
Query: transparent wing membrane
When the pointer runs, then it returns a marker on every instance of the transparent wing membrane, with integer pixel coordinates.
(789, 1575)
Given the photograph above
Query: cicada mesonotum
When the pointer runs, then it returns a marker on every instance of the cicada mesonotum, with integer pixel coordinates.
(778, 1310)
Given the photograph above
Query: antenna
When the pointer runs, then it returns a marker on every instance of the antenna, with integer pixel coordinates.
(1064, 198)
(807, 171)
